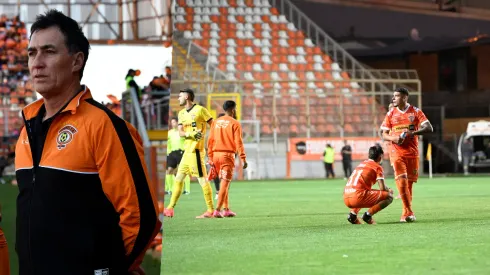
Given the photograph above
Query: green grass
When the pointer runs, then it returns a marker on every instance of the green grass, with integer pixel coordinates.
(8, 195)
(300, 227)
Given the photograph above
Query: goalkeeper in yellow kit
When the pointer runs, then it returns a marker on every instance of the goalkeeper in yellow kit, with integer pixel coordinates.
(175, 151)
(192, 122)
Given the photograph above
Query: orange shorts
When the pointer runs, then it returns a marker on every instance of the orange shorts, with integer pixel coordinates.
(406, 166)
(4, 255)
(224, 163)
(365, 198)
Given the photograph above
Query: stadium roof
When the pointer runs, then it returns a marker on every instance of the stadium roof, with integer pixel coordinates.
(408, 46)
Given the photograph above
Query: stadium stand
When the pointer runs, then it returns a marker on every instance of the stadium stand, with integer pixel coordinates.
(250, 40)
(15, 87)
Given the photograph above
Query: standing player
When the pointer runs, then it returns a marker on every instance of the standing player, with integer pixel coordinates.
(358, 193)
(225, 140)
(175, 150)
(192, 125)
(401, 126)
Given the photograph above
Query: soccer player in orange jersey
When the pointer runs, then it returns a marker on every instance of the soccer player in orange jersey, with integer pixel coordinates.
(358, 193)
(401, 126)
(225, 140)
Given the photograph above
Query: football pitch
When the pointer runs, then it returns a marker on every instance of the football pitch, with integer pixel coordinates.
(300, 227)
(8, 196)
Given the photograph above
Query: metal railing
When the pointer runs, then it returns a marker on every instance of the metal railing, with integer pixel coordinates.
(309, 112)
(321, 39)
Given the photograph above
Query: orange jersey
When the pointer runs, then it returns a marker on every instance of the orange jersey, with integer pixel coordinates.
(366, 174)
(397, 122)
(226, 136)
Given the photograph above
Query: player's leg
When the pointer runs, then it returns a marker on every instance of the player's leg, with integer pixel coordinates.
(229, 167)
(171, 169)
(379, 201)
(182, 171)
(187, 185)
(225, 165)
(401, 178)
(4, 255)
(349, 168)
(330, 167)
(392, 161)
(413, 175)
(345, 167)
(200, 172)
(326, 169)
(352, 202)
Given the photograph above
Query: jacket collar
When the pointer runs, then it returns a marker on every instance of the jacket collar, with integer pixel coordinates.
(32, 109)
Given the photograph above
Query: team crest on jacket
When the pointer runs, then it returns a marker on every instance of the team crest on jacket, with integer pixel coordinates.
(65, 136)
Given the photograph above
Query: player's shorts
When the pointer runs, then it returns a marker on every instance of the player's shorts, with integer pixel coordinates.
(4, 255)
(174, 158)
(365, 198)
(224, 162)
(406, 166)
(193, 164)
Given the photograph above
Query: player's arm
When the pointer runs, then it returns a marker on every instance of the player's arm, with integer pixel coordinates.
(381, 180)
(124, 179)
(388, 137)
(240, 149)
(206, 116)
(425, 127)
(385, 129)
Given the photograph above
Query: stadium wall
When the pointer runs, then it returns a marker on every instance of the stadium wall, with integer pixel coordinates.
(273, 163)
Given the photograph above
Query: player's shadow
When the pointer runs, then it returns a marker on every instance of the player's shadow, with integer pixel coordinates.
(318, 214)
(443, 220)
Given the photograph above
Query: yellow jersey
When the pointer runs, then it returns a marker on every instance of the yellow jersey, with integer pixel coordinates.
(194, 119)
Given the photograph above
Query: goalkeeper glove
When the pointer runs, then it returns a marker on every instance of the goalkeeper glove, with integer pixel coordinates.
(194, 135)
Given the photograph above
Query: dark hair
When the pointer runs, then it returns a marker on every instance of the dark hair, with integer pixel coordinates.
(229, 105)
(75, 40)
(220, 115)
(174, 118)
(375, 152)
(402, 91)
(190, 92)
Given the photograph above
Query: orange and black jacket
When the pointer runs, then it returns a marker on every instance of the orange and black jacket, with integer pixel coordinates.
(84, 203)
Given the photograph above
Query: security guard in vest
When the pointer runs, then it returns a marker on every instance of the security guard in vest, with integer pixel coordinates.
(328, 159)
(131, 83)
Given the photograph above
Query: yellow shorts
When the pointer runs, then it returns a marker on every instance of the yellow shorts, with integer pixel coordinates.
(193, 164)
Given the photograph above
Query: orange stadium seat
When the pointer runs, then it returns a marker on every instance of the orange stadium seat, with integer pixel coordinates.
(252, 40)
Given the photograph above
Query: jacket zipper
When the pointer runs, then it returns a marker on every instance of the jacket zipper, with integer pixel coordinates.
(31, 140)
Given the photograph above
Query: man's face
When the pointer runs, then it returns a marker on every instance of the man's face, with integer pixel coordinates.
(398, 99)
(174, 124)
(233, 113)
(51, 66)
(182, 98)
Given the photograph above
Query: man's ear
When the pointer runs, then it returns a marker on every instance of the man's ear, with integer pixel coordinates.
(78, 60)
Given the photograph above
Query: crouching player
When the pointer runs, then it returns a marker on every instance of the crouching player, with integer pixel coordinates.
(358, 193)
